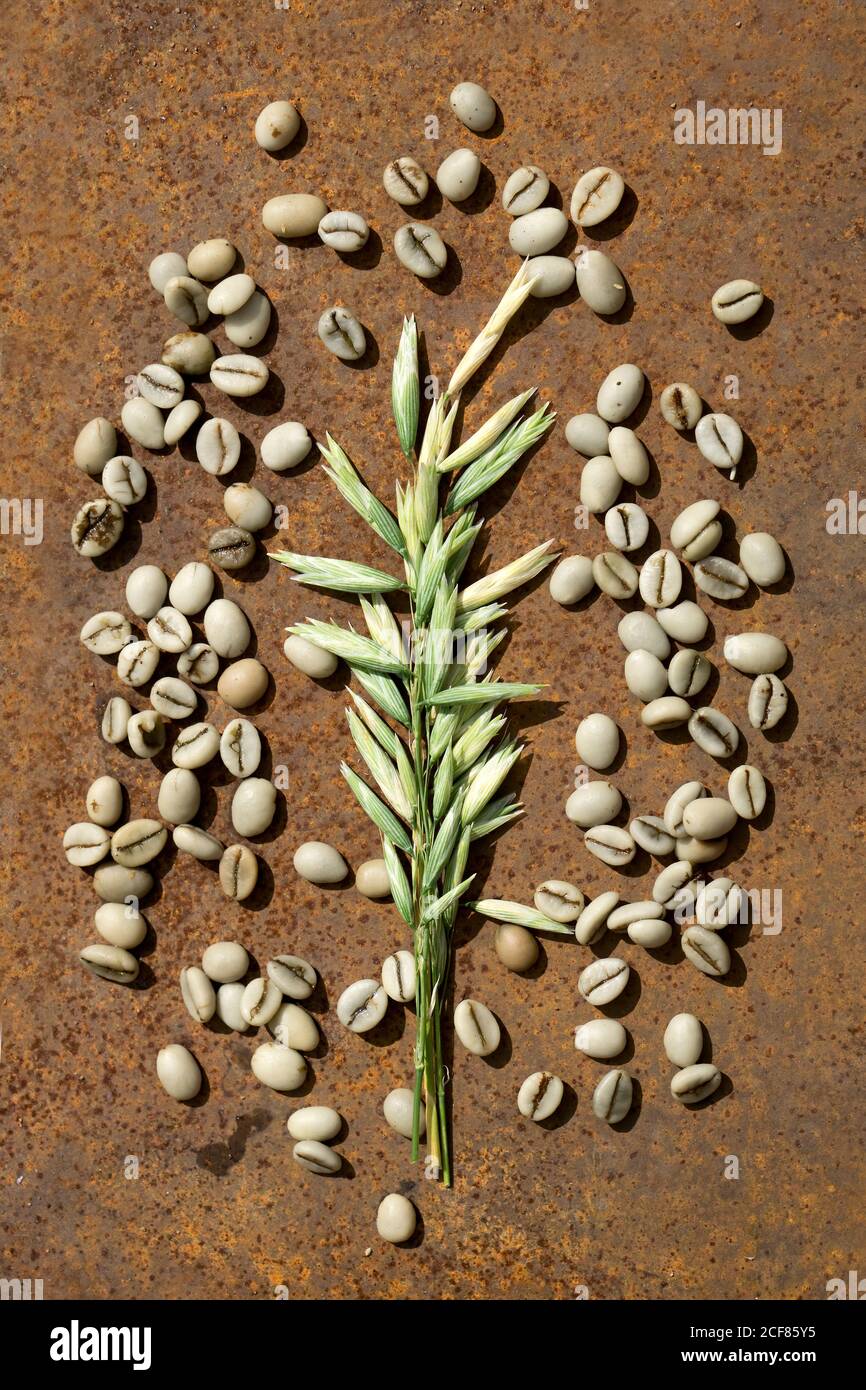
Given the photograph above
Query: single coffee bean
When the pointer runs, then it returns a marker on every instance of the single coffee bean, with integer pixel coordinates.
(247, 507)
(342, 334)
(516, 947)
(293, 975)
(247, 327)
(226, 627)
(163, 267)
(737, 301)
(706, 950)
(225, 962)
(694, 1084)
(144, 423)
(405, 181)
(293, 214)
(179, 796)
(307, 657)
(218, 446)
(241, 747)
(362, 1005)
(137, 662)
(593, 803)
(524, 191)
(630, 458)
(104, 801)
(146, 588)
(652, 933)
(186, 298)
(603, 981)
(138, 842)
(611, 844)
(697, 851)
(626, 913)
(588, 434)
(396, 1219)
(713, 732)
(473, 106)
(720, 904)
(238, 872)
(86, 843)
(601, 1038)
(597, 741)
(592, 922)
(755, 653)
(626, 526)
(661, 579)
(697, 531)
(643, 632)
(97, 527)
(645, 676)
(261, 1001)
(232, 548)
(615, 575)
(190, 839)
(600, 282)
(192, 587)
(709, 817)
(599, 484)
(315, 1157)
(253, 806)
(762, 558)
(560, 901)
(677, 803)
(180, 420)
(652, 835)
(120, 924)
(620, 392)
(536, 233)
(398, 977)
(397, 1108)
(683, 1040)
(552, 275)
(720, 440)
(115, 884)
(292, 1026)
(195, 745)
(685, 622)
(106, 633)
(612, 1097)
(540, 1096)
(161, 385)
(665, 713)
(768, 702)
(344, 231)
(146, 733)
(721, 578)
(283, 1069)
(285, 446)
(680, 405)
(110, 963)
(198, 994)
(421, 249)
(190, 353)
(597, 194)
(239, 375)
(211, 260)
(689, 672)
(673, 882)
(318, 1122)
(243, 683)
(458, 174)
(95, 444)
(124, 480)
(169, 631)
(232, 294)
(476, 1027)
(276, 126)
(320, 863)
(199, 663)
(228, 1007)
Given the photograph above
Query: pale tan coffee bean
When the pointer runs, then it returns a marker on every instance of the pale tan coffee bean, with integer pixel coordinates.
(97, 527)
(620, 393)
(421, 249)
(721, 903)
(524, 191)
(106, 633)
(243, 683)
(571, 580)
(612, 1097)
(680, 405)
(276, 126)
(247, 507)
(362, 1005)
(396, 1219)
(683, 1040)
(405, 181)
(192, 840)
(667, 712)
(601, 1038)
(597, 195)
(558, 900)
(603, 981)
(516, 947)
(285, 446)
(476, 1027)
(120, 924)
(652, 835)
(689, 672)
(677, 803)
(626, 526)
(755, 653)
(720, 440)
(713, 732)
(173, 698)
(104, 801)
(138, 842)
(95, 444)
(592, 922)
(237, 374)
(685, 622)
(341, 332)
(645, 676)
(721, 578)
(293, 975)
(211, 260)
(593, 803)
(708, 817)
(694, 1084)
(316, 1157)
(110, 963)
(247, 327)
(737, 301)
(198, 994)
(457, 176)
(314, 1122)
(180, 420)
(651, 934)
(706, 950)
(225, 962)
(346, 232)
(611, 844)
(626, 913)
(672, 884)
(85, 843)
(615, 575)
(473, 106)
(293, 214)
(179, 796)
(199, 663)
(643, 632)
(540, 1096)
(697, 531)
(536, 233)
(178, 1071)
(238, 872)
(629, 455)
(163, 267)
(762, 558)
(600, 282)
(186, 298)
(146, 733)
(232, 294)
(597, 741)
(292, 1026)
(768, 702)
(371, 879)
(218, 446)
(281, 1068)
(697, 851)
(261, 1001)
(661, 579)
(189, 353)
(305, 656)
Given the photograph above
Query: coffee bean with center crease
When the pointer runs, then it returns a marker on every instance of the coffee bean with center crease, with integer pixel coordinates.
(652, 835)
(720, 440)
(138, 842)
(525, 190)
(110, 963)
(612, 1097)
(675, 808)
(232, 548)
(768, 702)
(680, 405)
(106, 633)
(137, 662)
(671, 884)
(713, 732)
(755, 653)
(97, 527)
(169, 631)
(696, 1083)
(190, 353)
(706, 950)
(661, 579)
(261, 1000)
(218, 446)
(405, 181)
(186, 298)
(238, 872)
(362, 1005)
(146, 733)
(559, 900)
(721, 579)
(238, 374)
(316, 1157)
(199, 663)
(601, 1038)
(597, 194)
(161, 385)
(540, 1096)
(697, 531)
(293, 975)
(399, 976)
(344, 231)
(476, 1027)
(611, 844)
(747, 791)
(689, 672)
(124, 480)
(600, 282)
(421, 249)
(85, 843)
(737, 301)
(241, 747)
(342, 334)
(195, 745)
(627, 526)
(615, 575)
(720, 904)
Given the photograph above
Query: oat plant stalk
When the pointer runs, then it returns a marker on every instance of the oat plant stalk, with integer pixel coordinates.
(428, 722)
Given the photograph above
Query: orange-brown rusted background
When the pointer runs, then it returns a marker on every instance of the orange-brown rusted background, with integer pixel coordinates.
(218, 1208)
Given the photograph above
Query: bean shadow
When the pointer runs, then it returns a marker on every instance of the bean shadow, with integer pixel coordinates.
(295, 145)
(565, 1111)
(268, 401)
(754, 326)
(482, 197)
(787, 724)
(503, 1051)
(448, 278)
(390, 1030)
(269, 341)
(621, 218)
(626, 313)
(367, 257)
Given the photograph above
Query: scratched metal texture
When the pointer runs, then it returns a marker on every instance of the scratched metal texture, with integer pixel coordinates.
(218, 1208)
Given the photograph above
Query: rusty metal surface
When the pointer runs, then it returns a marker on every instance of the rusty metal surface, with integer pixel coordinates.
(218, 1208)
